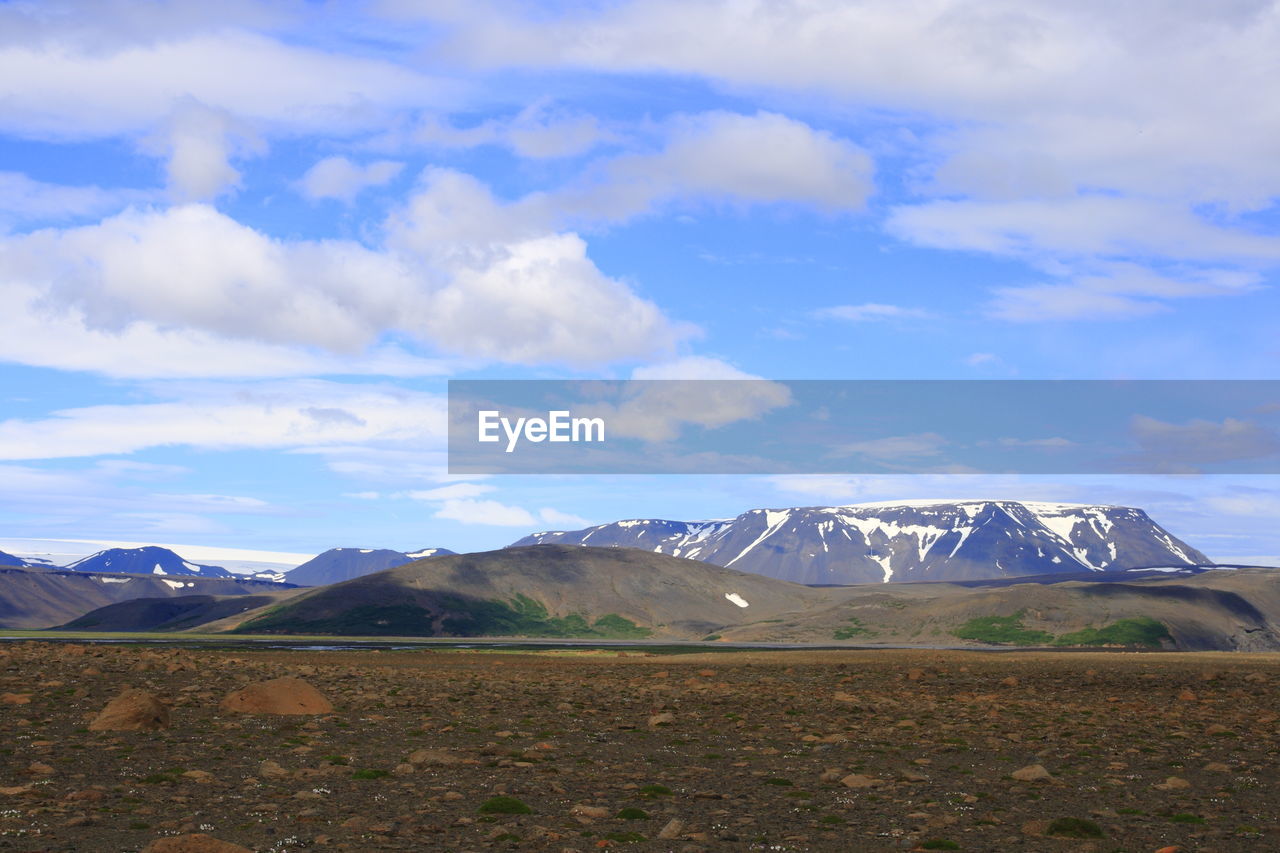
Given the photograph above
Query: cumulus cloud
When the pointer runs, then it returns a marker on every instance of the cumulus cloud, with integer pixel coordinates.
(764, 158)
(198, 143)
(339, 178)
(540, 131)
(182, 278)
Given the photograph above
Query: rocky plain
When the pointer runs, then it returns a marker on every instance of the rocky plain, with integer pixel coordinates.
(118, 747)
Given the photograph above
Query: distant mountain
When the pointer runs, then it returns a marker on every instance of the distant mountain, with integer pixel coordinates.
(7, 559)
(341, 564)
(40, 597)
(148, 560)
(166, 614)
(905, 541)
(547, 591)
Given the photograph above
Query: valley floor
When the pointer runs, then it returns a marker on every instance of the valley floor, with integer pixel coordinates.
(820, 750)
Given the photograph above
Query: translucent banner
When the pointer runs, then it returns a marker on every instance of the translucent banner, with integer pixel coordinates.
(864, 427)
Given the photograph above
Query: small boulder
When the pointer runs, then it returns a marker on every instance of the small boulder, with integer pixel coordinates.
(1032, 773)
(132, 711)
(278, 696)
(858, 780)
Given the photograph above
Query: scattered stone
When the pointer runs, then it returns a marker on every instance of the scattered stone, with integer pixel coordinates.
(858, 780)
(1217, 767)
(132, 711)
(665, 718)
(1173, 783)
(286, 695)
(672, 829)
(1032, 773)
(193, 843)
(15, 698)
(437, 757)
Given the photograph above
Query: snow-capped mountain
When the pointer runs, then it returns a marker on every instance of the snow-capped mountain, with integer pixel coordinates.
(7, 559)
(340, 564)
(148, 560)
(905, 541)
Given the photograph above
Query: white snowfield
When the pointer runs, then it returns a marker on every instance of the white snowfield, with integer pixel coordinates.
(734, 598)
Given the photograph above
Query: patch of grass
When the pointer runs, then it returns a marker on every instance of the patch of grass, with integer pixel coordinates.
(940, 844)
(1002, 630)
(1183, 817)
(624, 837)
(1075, 827)
(156, 779)
(777, 780)
(651, 791)
(632, 813)
(370, 774)
(1141, 631)
(855, 628)
(710, 638)
(504, 805)
(337, 759)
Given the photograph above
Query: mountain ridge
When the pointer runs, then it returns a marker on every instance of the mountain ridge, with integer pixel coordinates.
(904, 540)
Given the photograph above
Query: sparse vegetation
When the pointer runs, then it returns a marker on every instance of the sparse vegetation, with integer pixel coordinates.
(1074, 827)
(504, 805)
(1002, 630)
(855, 628)
(1140, 631)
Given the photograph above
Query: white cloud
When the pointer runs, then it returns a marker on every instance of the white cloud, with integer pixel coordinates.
(539, 131)
(1114, 291)
(562, 519)
(54, 87)
(23, 198)
(450, 492)
(492, 513)
(338, 177)
(894, 447)
(873, 311)
(279, 415)
(1198, 441)
(724, 157)
(532, 298)
(691, 367)
(198, 143)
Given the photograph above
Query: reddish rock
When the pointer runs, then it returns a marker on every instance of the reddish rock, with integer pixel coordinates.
(132, 711)
(278, 696)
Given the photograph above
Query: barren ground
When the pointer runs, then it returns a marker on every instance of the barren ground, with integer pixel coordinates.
(753, 754)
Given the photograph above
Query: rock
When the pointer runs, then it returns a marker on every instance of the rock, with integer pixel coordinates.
(433, 756)
(272, 770)
(858, 780)
(202, 777)
(39, 768)
(591, 812)
(15, 698)
(278, 696)
(672, 830)
(1187, 696)
(915, 674)
(1217, 767)
(132, 711)
(1173, 783)
(665, 718)
(1032, 773)
(194, 843)
(1011, 681)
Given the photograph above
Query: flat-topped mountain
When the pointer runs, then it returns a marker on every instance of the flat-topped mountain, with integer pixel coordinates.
(905, 541)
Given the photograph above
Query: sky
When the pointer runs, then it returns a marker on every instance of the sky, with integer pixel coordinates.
(244, 245)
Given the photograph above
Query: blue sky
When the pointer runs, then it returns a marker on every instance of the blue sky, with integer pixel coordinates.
(243, 245)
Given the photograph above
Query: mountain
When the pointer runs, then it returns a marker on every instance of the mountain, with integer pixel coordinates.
(7, 559)
(543, 590)
(40, 597)
(340, 564)
(166, 614)
(148, 560)
(905, 541)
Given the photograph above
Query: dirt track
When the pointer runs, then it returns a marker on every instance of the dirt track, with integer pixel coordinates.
(890, 750)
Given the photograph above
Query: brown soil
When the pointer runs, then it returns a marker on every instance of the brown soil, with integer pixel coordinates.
(838, 751)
